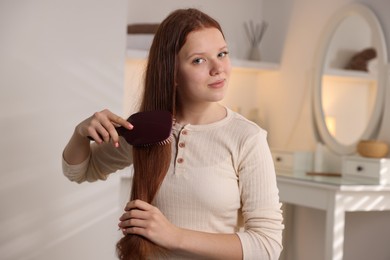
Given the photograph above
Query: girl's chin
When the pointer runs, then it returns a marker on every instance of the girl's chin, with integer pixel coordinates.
(217, 98)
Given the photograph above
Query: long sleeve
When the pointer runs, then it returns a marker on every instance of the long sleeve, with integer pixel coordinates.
(103, 160)
(262, 235)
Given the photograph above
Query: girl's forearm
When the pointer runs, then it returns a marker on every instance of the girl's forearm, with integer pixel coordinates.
(77, 149)
(209, 245)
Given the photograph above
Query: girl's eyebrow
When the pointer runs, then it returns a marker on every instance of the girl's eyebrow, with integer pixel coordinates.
(195, 54)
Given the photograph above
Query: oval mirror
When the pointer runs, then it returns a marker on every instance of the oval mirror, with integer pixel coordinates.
(348, 100)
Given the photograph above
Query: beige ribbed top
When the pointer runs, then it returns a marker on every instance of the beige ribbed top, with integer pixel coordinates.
(221, 180)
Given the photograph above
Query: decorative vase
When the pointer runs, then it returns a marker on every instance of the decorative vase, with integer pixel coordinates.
(254, 53)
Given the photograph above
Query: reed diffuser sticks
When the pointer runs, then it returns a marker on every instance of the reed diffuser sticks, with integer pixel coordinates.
(255, 34)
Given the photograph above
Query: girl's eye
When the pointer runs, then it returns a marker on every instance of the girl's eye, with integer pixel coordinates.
(198, 61)
(223, 54)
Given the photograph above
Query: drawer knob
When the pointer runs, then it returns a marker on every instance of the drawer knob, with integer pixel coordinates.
(278, 159)
(359, 168)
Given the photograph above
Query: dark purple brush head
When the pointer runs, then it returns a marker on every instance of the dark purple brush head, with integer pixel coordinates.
(150, 128)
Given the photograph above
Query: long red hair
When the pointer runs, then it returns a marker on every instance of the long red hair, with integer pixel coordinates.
(152, 163)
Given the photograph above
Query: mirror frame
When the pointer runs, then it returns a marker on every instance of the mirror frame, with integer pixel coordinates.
(371, 130)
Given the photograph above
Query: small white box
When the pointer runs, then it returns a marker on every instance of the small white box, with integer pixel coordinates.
(292, 160)
(366, 169)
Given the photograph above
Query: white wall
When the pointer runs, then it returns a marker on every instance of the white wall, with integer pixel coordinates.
(59, 62)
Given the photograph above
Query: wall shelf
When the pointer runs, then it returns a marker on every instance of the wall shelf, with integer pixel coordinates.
(350, 75)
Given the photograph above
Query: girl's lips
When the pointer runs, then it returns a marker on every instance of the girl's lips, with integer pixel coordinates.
(217, 84)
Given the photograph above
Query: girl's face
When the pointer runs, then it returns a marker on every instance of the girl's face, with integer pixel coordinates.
(203, 67)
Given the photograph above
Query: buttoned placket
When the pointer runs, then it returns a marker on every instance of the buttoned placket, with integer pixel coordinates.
(181, 146)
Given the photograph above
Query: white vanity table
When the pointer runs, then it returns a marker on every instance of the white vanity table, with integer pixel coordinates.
(335, 196)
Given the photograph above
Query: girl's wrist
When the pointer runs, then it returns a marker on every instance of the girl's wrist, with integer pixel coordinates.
(178, 240)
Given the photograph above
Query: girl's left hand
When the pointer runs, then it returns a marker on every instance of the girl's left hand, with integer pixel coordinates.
(142, 218)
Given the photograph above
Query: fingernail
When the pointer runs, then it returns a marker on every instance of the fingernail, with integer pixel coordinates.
(116, 144)
(131, 126)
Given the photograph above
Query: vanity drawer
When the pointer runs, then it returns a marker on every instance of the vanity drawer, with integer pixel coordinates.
(283, 160)
(366, 169)
(292, 160)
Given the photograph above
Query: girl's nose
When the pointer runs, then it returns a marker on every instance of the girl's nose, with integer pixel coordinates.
(216, 67)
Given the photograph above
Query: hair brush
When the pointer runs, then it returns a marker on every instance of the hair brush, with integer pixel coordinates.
(150, 128)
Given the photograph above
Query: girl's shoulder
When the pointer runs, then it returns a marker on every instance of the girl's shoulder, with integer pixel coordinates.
(241, 124)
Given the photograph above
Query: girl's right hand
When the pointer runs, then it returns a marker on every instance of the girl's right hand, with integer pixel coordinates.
(101, 127)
